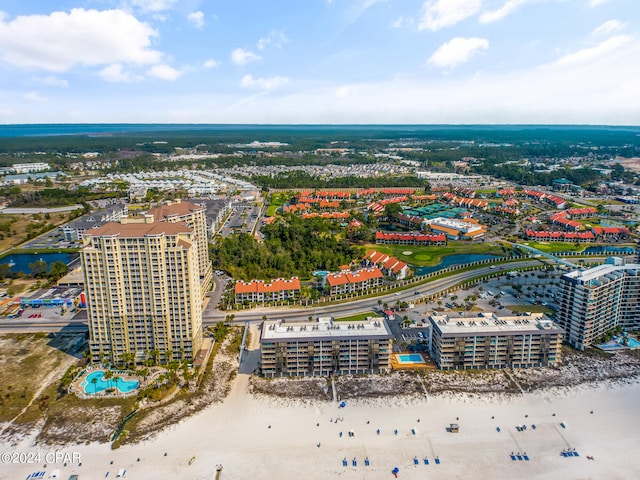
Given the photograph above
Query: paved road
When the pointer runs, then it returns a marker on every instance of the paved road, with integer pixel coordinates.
(435, 287)
(211, 315)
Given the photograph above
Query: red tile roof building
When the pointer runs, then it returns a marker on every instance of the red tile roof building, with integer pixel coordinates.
(559, 202)
(391, 266)
(582, 212)
(258, 291)
(351, 282)
(610, 233)
(547, 236)
(410, 239)
(560, 218)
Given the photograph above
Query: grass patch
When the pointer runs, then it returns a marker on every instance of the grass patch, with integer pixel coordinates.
(355, 318)
(271, 210)
(529, 308)
(16, 228)
(424, 255)
(25, 362)
(552, 247)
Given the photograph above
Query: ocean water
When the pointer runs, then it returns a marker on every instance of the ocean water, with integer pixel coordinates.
(488, 132)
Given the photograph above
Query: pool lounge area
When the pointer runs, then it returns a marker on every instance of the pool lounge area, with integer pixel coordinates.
(617, 344)
(410, 361)
(91, 383)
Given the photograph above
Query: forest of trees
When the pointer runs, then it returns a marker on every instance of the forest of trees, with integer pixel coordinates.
(292, 247)
(51, 196)
(299, 179)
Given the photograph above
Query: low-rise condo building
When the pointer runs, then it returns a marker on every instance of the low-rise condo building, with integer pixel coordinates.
(490, 341)
(353, 282)
(260, 291)
(325, 347)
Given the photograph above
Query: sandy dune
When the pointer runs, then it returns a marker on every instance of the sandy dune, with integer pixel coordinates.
(236, 434)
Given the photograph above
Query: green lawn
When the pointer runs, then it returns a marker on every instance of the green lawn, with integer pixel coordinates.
(276, 201)
(271, 210)
(552, 247)
(529, 308)
(426, 255)
(355, 318)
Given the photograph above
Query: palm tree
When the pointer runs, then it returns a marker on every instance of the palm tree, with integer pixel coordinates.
(108, 375)
(94, 380)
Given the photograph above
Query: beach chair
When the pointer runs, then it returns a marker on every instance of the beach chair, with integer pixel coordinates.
(576, 454)
(345, 463)
(437, 461)
(513, 457)
(526, 457)
(426, 461)
(519, 457)
(366, 461)
(354, 462)
(415, 461)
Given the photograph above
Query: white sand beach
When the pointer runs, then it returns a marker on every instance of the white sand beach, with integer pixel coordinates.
(236, 434)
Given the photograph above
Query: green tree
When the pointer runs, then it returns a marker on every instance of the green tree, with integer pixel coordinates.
(392, 210)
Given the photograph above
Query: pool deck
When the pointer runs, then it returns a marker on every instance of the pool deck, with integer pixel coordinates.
(396, 364)
(78, 384)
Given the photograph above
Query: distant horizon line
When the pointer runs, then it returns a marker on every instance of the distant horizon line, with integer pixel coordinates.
(333, 124)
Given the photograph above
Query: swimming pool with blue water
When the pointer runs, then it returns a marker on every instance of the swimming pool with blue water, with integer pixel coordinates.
(101, 384)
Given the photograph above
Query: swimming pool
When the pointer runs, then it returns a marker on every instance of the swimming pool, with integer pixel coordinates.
(410, 358)
(633, 343)
(101, 384)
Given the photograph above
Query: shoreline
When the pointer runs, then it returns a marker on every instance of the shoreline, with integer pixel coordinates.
(236, 434)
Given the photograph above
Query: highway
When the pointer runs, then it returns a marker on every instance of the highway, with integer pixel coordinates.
(356, 306)
(211, 315)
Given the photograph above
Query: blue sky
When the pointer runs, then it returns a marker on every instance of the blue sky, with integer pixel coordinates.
(320, 61)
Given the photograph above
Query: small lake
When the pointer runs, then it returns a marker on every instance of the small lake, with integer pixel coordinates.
(21, 261)
(458, 259)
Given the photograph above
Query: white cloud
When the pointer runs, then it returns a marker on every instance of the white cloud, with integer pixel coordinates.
(275, 38)
(444, 13)
(509, 7)
(60, 41)
(240, 56)
(456, 51)
(115, 73)
(151, 5)
(196, 18)
(164, 72)
(602, 50)
(263, 83)
(346, 91)
(358, 8)
(34, 97)
(398, 23)
(608, 27)
(53, 81)
(211, 63)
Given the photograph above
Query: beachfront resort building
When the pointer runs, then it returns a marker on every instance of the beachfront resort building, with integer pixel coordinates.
(325, 347)
(491, 341)
(599, 299)
(195, 218)
(142, 284)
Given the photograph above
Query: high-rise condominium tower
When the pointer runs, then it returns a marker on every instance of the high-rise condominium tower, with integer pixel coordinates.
(599, 299)
(142, 280)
